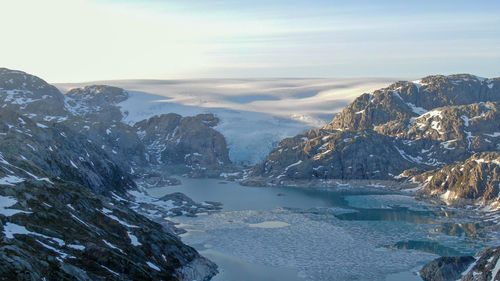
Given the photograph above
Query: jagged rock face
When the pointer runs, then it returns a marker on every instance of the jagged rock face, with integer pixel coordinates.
(172, 139)
(403, 100)
(445, 268)
(487, 266)
(30, 94)
(169, 139)
(96, 103)
(370, 110)
(56, 152)
(459, 89)
(419, 126)
(97, 116)
(59, 231)
(339, 155)
(477, 178)
(484, 267)
(118, 140)
(63, 215)
(472, 126)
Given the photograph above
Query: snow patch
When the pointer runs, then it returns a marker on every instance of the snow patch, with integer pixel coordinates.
(5, 204)
(494, 135)
(11, 180)
(269, 224)
(495, 270)
(133, 239)
(293, 165)
(153, 266)
(10, 229)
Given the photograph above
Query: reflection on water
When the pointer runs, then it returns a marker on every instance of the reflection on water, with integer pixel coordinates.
(469, 229)
(396, 214)
(426, 246)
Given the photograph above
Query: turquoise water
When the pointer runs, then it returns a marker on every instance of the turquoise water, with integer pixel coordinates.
(287, 233)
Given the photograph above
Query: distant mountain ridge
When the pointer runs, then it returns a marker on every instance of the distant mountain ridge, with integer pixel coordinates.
(254, 114)
(395, 133)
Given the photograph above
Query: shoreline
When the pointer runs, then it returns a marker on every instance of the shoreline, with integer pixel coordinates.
(315, 183)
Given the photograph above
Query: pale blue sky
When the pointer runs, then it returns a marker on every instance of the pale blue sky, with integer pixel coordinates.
(111, 39)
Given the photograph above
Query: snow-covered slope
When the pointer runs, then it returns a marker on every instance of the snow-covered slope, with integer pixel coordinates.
(255, 114)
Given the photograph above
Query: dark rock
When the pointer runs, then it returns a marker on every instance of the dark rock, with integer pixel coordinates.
(66, 169)
(30, 95)
(484, 267)
(446, 268)
(188, 141)
(477, 178)
(97, 102)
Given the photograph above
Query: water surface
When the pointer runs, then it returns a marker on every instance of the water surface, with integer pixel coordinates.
(288, 233)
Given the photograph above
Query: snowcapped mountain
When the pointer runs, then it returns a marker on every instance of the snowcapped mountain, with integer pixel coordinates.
(398, 132)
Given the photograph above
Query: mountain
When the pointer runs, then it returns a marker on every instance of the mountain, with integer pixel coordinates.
(150, 141)
(190, 141)
(69, 205)
(97, 112)
(394, 133)
(27, 93)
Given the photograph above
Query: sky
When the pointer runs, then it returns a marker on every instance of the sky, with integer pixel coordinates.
(87, 40)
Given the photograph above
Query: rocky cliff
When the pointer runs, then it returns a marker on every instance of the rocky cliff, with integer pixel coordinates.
(30, 95)
(475, 179)
(68, 208)
(395, 133)
(189, 141)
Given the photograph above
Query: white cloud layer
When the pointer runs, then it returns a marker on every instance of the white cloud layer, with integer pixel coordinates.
(83, 40)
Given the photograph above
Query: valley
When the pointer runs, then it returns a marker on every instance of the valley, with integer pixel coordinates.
(102, 182)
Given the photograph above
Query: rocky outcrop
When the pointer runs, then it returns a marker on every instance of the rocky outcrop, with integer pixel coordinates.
(31, 148)
(403, 100)
(338, 155)
(96, 103)
(30, 95)
(395, 133)
(484, 267)
(445, 268)
(118, 140)
(191, 142)
(67, 197)
(60, 231)
(55, 226)
(168, 142)
(475, 179)
(487, 266)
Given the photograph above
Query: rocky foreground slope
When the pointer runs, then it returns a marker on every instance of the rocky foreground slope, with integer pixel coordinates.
(396, 133)
(69, 206)
(60, 218)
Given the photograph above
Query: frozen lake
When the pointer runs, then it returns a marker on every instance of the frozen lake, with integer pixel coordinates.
(287, 233)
